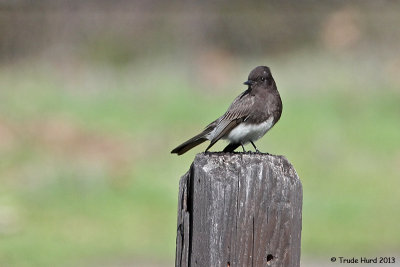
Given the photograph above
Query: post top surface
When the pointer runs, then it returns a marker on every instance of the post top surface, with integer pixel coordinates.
(213, 160)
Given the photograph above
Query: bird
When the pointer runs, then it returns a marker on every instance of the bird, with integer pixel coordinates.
(250, 116)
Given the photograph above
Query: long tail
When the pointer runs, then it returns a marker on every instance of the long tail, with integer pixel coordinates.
(192, 142)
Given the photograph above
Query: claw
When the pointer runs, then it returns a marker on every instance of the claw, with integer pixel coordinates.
(257, 151)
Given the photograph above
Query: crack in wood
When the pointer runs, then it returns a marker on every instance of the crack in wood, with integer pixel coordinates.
(219, 220)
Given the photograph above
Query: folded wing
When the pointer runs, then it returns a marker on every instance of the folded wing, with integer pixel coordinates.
(238, 111)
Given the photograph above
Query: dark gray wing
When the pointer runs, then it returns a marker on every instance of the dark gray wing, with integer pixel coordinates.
(237, 112)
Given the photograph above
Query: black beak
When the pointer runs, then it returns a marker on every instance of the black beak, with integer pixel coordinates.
(249, 82)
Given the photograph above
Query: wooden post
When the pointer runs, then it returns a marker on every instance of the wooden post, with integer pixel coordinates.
(239, 209)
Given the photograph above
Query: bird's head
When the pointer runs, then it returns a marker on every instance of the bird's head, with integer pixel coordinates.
(260, 76)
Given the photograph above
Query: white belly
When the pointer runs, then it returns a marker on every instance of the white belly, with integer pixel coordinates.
(244, 132)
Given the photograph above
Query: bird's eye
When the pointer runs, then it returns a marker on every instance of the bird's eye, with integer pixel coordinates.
(262, 79)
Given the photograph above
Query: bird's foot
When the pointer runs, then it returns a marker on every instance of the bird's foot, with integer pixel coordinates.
(257, 151)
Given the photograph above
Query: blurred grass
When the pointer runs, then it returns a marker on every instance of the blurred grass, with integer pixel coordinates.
(87, 176)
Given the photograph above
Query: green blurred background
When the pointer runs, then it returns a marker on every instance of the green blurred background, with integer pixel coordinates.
(94, 95)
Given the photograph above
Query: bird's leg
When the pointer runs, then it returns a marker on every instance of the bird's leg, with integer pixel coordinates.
(258, 151)
(244, 151)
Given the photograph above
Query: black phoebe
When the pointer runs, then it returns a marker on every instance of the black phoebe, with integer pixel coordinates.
(247, 119)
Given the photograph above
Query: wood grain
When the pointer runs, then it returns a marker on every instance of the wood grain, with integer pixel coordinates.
(239, 209)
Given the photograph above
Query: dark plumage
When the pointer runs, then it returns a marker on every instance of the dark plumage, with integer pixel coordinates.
(247, 119)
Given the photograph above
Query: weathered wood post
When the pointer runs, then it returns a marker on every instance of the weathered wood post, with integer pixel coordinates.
(239, 209)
